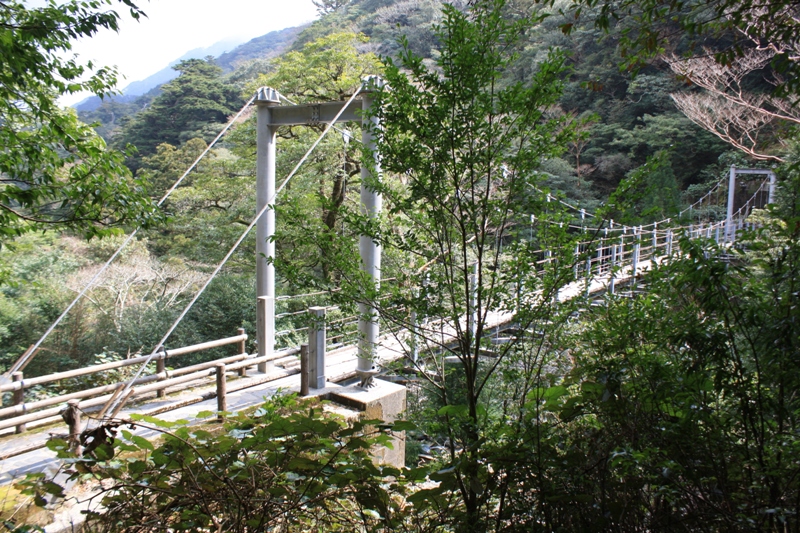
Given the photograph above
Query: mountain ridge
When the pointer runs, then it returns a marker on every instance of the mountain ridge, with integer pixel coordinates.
(228, 54)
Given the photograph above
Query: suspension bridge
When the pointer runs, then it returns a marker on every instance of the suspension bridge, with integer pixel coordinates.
(338, 347)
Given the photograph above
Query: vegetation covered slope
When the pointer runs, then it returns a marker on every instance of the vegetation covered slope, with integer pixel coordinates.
(674, 410)
(621, 120)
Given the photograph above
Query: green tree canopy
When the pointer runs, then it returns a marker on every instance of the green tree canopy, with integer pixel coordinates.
(649, 27)
(328, 68)
(193, 105)
(55, 170)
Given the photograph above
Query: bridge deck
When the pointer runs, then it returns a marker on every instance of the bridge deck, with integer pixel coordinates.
(340, 365)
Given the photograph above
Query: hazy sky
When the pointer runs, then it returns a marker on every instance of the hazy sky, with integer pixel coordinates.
(174, 27)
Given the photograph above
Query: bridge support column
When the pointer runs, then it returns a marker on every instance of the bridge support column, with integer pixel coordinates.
(772, 186)
(730, 231)
(369, 247)
(316, 348)
(265, 323)
(265, 228)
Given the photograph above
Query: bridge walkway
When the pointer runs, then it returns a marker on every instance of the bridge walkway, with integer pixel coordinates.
(340, 365)
(14, 464)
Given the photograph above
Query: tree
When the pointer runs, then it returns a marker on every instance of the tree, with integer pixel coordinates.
(677, 414)
(193, 105)
(328, 68)
(54, 170)
(288, 466)
(329, 6)
(649, 27)
(209, 210)
(461, 144)
(727, 108)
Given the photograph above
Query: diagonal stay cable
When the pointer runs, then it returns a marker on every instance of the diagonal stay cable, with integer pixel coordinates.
(32, 351)
(122, 397)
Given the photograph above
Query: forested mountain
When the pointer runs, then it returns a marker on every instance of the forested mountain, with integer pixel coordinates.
(110, 111)
(258, 50)
(622, 121)
(625, 118)
(670, 406)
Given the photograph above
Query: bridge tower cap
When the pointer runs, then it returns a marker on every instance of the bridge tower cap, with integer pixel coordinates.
(267, 95)
(373, 83)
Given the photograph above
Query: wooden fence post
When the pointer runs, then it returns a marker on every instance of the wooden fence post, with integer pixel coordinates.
(161, 367)
(18, 398)
(304, 370)
(222, 399)
(242, 349)
(73, 419)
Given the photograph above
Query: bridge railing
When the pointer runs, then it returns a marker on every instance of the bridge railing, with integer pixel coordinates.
(20, 412)
(618, 253)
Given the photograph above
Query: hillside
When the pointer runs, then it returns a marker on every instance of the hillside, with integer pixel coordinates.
(647, 377)
(261, 48)
(622, 120)
(229, 55)
(626, 119)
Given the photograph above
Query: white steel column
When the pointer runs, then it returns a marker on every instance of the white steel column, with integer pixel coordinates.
(369, 248)
(265, 228)
(316, 348)
(730, 231)
(772, 185)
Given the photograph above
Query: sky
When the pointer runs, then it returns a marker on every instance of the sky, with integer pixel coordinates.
(174, 27)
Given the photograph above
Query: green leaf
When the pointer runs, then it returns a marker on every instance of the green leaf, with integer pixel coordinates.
(403, 425)
(142, 443)
(453, 410)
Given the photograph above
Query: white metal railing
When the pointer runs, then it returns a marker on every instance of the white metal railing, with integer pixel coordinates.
(617, 253)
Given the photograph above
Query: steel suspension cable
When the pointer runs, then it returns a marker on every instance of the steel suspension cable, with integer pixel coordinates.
(30, 353)
(122, 397)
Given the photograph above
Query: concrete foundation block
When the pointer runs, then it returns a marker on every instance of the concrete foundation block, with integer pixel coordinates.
(385, 401)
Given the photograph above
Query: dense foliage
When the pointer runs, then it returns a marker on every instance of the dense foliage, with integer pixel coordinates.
(56, 172)
(672, 410)
(195, 104)
(288, 466)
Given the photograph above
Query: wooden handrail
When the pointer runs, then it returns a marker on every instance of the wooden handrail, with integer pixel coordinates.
(100, 400)
(167, 374)
(206, 345)
(17, 385)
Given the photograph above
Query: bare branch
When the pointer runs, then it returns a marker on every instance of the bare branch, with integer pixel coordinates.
(735, 124)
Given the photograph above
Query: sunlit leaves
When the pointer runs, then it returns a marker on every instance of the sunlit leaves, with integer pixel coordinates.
(54, 170)
(289, 461)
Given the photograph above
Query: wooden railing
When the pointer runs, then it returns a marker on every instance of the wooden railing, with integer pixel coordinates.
(21, 413)
(615, 257)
